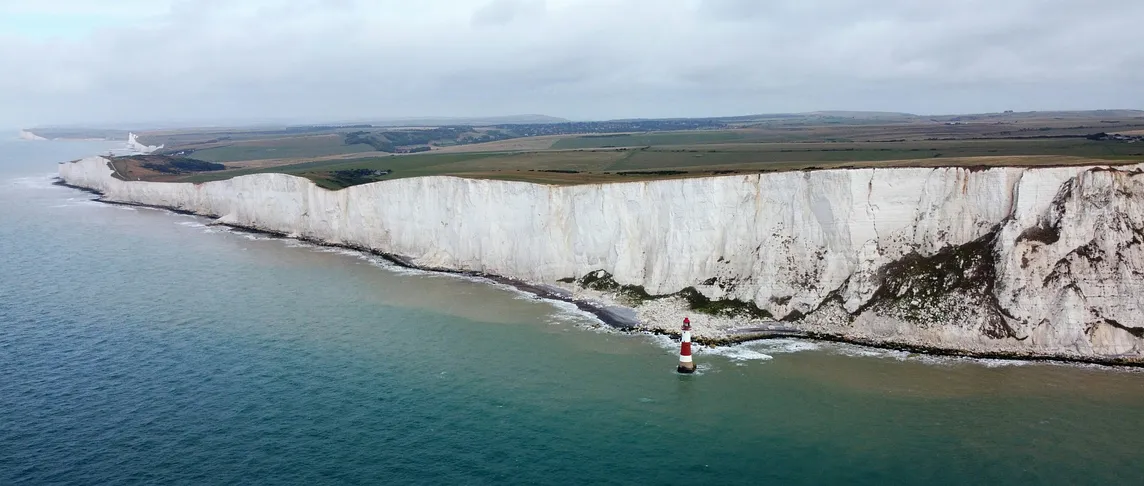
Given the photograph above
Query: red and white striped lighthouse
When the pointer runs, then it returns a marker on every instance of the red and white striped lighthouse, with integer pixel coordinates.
(686, 365)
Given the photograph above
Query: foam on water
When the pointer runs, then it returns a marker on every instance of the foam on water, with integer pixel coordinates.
(738, 352)
(858, 351)
(36, 182)
(702, 369)
(566, 312)
(252, 236)
(1001, 363)
(765, 350)
(669, 345)
(75, 203)
(785, 345)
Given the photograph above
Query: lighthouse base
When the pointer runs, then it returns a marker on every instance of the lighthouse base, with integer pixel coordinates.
(686, 368)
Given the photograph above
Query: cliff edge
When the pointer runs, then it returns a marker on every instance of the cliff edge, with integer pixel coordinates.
(1022, 262)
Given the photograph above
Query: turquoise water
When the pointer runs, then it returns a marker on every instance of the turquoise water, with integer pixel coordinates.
(139, 346)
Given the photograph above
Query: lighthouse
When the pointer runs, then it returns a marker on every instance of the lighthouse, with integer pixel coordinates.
(686, 365)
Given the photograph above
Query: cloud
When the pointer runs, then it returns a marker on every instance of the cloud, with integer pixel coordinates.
(501, 12)
(307, 60)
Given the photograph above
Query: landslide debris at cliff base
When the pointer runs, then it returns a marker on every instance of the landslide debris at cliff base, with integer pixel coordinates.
(941, 304)
(634, 295)
(953, 285)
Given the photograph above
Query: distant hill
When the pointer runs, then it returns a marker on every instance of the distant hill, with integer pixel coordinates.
(816, 117)
(869, 115)
(471, 121)
(94, 131)
(1026, 115)
(865, 116)
(78, 133)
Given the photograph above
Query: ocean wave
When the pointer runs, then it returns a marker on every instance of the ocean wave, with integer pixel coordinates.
(566, 312)
(738, 352)
(785, 346)
(669, 345)
(35, 182)
(858, 351)
(766, 350)
(73, 202)
(703, 368)
(252, 236)
(1001, 363)
(569, 313)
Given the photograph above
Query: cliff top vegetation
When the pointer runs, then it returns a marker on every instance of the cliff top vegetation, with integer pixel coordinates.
(629, 150)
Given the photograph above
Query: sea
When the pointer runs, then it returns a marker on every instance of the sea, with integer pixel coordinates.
(139, 346)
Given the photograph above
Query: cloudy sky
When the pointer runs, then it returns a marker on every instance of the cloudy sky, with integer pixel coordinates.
(140, 61)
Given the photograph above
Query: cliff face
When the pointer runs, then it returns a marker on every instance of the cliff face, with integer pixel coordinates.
(1006, 260)
(26, 135)
(133, 145)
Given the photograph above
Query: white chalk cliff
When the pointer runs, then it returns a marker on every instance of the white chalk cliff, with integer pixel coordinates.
(1011, 261)
(26, 135)
(134, 146)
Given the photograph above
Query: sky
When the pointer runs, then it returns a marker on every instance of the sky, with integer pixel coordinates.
(133, 62)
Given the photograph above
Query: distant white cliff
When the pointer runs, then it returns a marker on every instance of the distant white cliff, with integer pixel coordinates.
(133, 145)
(26, 135)
(1005, 261)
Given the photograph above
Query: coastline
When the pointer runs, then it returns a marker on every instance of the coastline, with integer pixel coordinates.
(625, 319)
(611, 315)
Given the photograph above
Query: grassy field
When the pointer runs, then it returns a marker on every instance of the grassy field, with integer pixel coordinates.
(646, 139)
(280, 148)
(711, 155)
(200, 137)
(615, 165)
(907, 132)
(751, 145)
(513, 165)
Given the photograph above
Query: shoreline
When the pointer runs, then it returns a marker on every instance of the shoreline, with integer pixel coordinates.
(609, 315)
(613, 316)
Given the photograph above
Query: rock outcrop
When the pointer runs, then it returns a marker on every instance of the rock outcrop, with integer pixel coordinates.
(1041, 262)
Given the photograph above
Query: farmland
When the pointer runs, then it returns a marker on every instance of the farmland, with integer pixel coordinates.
(280, 148)
(742, 145)
(613, 165)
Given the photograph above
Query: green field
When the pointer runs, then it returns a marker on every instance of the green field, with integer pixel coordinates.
(646, 139)
(741, 145)
(282, 148)
(662, 157)
(468, 164)
(614, 165)
(864, 133)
